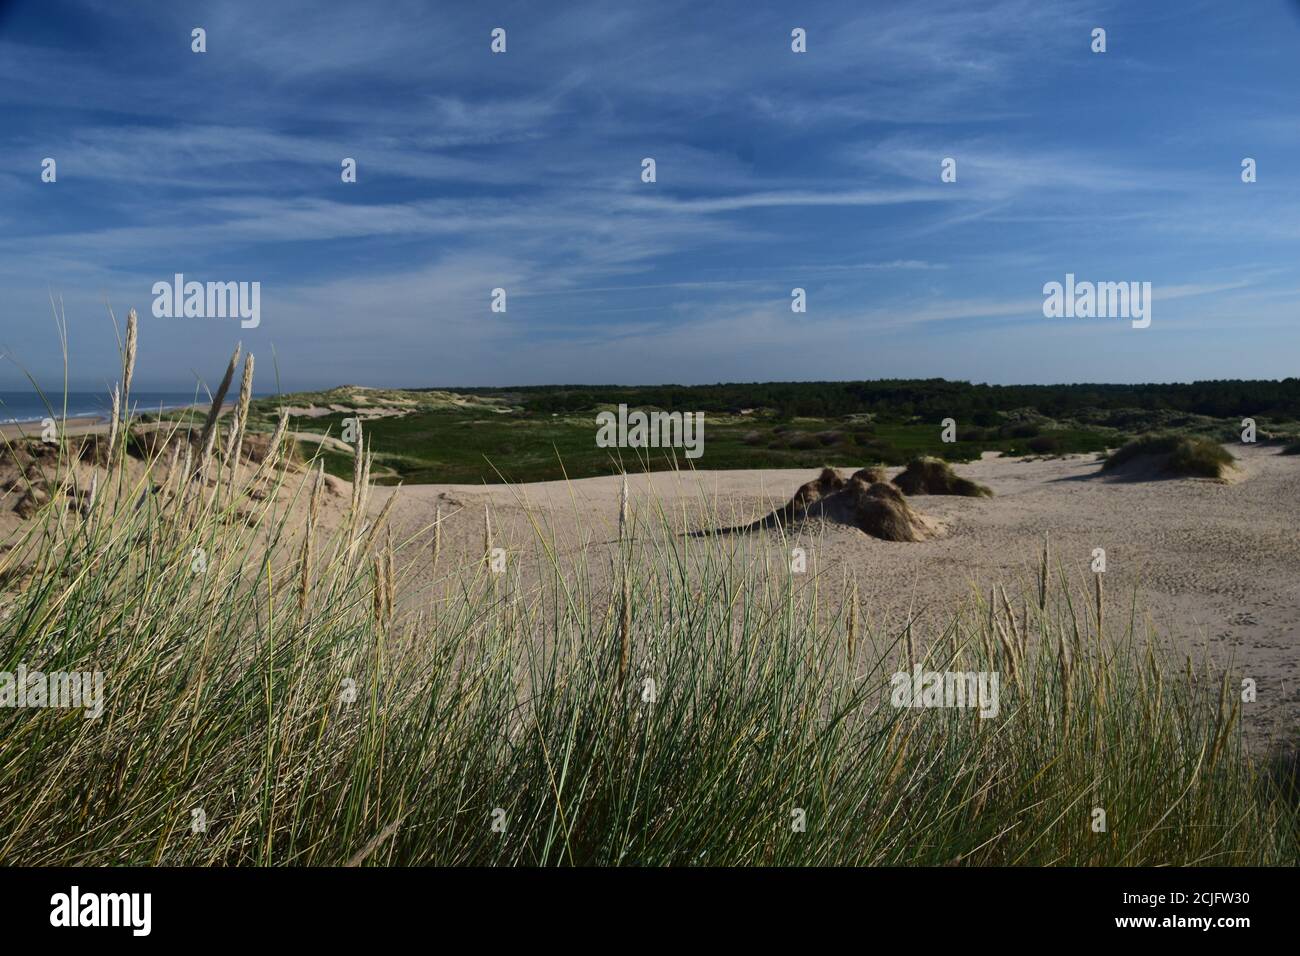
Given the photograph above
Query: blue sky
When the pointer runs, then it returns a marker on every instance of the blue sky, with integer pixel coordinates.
(775, 170)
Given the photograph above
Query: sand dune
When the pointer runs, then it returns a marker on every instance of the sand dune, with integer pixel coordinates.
(1216, 565)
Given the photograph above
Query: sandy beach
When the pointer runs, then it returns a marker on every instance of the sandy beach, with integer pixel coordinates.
(1215, 566)
(80, 426)
(73, 428)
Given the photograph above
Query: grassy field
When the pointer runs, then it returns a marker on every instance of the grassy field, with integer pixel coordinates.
(491, 440)
(455, 446)
(539, 434)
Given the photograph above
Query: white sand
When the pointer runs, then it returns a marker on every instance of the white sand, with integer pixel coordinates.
(1217, 566)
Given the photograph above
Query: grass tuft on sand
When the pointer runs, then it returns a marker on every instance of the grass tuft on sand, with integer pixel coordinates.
(882, 512)
(866, 501)
(1174, 455)
(934, 476)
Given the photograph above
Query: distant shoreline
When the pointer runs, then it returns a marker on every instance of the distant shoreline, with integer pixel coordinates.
(78, 425)
(25, 408)
(85, 417)
(72, 427)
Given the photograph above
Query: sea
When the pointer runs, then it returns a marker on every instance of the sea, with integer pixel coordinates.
(28, 406)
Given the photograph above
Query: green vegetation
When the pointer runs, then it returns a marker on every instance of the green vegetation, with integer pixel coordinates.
(1116, 406)
(489, 435)
(484, 440)
(455, 446)
(1177, 455)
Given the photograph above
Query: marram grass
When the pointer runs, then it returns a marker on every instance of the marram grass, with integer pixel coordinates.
(692, 704)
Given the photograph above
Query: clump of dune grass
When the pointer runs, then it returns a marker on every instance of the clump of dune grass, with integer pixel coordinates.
(934, 476)
(826, 483)
(810, 497)
(1291, 448)
(687, 711)
(874, 474)
(1174, 455)
(882, 512)
(866, 501)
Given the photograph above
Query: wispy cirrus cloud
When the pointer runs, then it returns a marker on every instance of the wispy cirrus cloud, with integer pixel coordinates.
(775, 170)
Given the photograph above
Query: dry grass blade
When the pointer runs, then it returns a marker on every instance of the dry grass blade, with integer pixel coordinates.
(208, 437)
(379, 840)
(128, 361)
